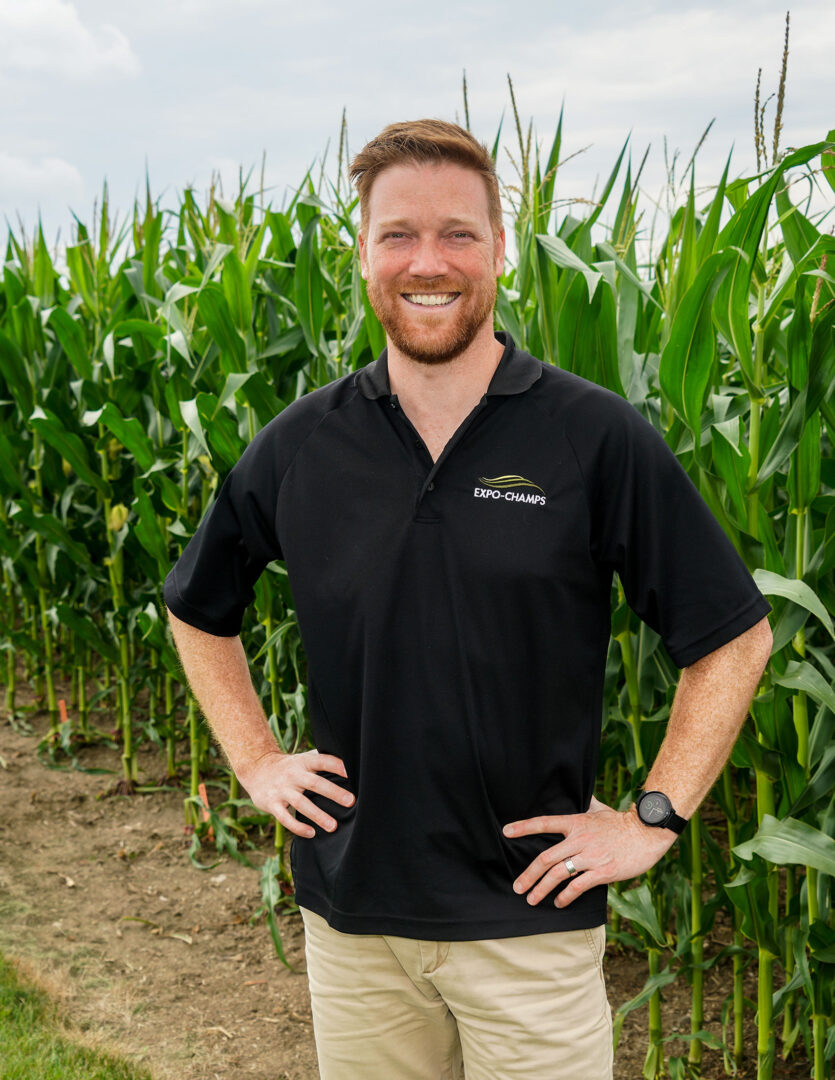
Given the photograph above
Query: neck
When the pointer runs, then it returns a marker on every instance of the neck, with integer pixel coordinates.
(449, 387)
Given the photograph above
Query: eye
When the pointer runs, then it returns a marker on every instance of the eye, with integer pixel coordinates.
(466, 235)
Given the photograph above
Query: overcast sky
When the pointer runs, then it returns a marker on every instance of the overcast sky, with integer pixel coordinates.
(97, 88)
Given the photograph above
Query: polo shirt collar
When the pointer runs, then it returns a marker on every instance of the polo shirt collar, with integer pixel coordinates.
(517, 371)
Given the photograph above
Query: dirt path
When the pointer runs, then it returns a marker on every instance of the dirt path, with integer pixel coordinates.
(194, 991)
(160, 957)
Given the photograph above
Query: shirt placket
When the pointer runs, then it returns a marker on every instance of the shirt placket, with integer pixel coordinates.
(428, 484)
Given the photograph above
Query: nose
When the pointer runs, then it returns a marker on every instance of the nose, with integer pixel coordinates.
(428, 259)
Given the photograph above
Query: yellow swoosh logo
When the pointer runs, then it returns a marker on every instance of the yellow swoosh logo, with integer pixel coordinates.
(508, 481)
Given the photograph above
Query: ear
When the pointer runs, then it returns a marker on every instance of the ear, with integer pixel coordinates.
(363, 257)
(499, 251)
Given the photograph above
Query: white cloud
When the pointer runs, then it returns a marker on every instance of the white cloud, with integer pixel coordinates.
(695, 57)
(27, 179)
(48, 36)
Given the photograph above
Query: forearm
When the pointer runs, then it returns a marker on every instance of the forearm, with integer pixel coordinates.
(709, 710)
(605, 845)
(218, 674)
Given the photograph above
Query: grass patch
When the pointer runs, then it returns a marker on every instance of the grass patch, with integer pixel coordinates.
(37, 1044)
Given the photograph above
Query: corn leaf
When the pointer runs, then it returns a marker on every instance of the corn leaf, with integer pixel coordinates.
(789, 841)
(685, 371)
(69, 446)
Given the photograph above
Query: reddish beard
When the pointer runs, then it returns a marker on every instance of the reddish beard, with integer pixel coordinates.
(430, 345)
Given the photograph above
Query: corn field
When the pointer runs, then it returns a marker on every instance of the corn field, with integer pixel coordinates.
(134, 373)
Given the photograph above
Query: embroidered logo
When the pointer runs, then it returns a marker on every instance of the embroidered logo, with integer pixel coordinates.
(503, 487)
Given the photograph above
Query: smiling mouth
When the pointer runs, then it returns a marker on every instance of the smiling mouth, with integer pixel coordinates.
(433, 300)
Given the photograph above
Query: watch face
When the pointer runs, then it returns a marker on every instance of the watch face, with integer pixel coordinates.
(654, 808)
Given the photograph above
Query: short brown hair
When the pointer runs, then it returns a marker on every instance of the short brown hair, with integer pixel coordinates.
(419, 142)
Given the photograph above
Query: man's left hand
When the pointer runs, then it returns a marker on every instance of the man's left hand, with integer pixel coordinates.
(604, 844)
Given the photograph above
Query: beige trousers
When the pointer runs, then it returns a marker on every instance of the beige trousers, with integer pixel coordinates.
(515, 1008)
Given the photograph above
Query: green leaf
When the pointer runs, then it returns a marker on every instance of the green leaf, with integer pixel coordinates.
(587, 335)
(129, 328)
(822, 942)
(271, 894)
(13, 370)
(54, 532)
(237, 291)
(259, 394)
(71, 335)
(771, 584)
(278, 633)
(151, 235)
(308, 287)
(828, 159)
(69, 446)
(221, 431)
(234, 381)
(742, 236)
(147, 528)
(800, 675)
(191, 418)
(748, 892)
(214, 310)
(10, 465)
(85, 627)
(790, 842)
(507, 316)
(219, 253)
(806, 402)
(130, 434)
(637, 906)
(560, 253)
(373, 327)
(644, 287)
(43, 271)
(653, 984)
(685, 371)
(819, 784)
(80, 265)
(732, 466)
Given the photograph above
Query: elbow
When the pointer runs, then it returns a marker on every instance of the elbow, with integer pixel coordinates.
(756, 644)
(764, 639)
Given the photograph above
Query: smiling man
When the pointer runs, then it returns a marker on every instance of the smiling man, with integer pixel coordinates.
(451, 517)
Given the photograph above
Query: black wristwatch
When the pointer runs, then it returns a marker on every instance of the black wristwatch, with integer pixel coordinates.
(654, 808)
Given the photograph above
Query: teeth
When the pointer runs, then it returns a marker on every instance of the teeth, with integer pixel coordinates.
(430, 299)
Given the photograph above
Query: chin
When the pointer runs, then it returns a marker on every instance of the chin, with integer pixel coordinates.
(428, 345)
(434, 347)
(441, 353)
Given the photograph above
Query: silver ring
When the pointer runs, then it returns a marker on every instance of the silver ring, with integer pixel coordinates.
(571, 868)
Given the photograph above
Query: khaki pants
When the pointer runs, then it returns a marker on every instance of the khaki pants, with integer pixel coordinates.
(516, 1008)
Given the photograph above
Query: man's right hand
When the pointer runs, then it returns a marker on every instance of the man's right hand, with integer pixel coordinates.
(277, 782)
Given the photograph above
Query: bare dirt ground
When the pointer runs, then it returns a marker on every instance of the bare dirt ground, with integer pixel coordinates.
(160, 958)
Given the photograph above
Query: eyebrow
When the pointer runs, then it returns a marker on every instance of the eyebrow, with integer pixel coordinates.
(398, 223)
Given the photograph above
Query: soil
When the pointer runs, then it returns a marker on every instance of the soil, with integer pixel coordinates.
(164, 962)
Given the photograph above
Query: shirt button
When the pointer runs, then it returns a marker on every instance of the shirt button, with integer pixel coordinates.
(430, 486)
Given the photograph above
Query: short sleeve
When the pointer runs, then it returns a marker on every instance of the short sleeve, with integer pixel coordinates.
(212, 583)
(680, 572)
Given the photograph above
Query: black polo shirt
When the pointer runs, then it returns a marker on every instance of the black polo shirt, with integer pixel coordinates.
(456, 618)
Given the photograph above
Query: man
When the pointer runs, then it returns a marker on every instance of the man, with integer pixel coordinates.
(451, 517)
